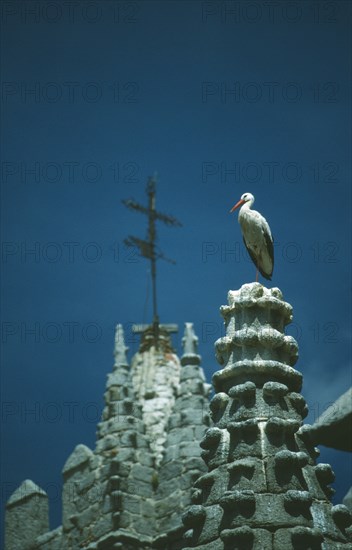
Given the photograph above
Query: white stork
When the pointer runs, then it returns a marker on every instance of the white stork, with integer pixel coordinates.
(256, 236)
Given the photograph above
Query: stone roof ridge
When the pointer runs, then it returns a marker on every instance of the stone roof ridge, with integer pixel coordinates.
(333, 426)
(340, 408)
(27, 489)
(80, 455)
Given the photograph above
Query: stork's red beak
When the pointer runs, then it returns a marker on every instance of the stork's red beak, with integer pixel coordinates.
(239, 203)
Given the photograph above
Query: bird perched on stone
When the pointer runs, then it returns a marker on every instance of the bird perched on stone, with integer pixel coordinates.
(256, 236)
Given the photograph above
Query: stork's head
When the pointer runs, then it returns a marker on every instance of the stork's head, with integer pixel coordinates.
(246, 198)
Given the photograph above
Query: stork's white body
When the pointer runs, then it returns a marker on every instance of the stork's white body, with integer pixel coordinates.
(256, 235)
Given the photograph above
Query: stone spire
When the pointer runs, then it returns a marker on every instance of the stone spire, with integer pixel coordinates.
(121, 412)
(104, 489)
(263, 489)
(120, 349)
(155, 381)
(131, 490)
(181, 463)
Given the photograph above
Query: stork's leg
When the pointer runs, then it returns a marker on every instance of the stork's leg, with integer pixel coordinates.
(256, 276)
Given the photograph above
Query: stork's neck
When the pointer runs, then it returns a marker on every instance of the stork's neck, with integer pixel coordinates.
(247, 205)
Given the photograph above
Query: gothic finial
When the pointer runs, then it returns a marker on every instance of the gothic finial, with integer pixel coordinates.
(190, 340)
(190, 346)
(120, 348)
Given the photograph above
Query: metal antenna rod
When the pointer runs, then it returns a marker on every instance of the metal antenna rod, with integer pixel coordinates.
(147, 247)
(152, 238)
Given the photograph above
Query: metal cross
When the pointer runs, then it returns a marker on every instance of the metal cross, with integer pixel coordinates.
(147, 248)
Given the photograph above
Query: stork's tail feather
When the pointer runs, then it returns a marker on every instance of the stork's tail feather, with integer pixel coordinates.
(265, 275)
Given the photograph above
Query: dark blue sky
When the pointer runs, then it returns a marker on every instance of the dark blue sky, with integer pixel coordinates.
(219, 98)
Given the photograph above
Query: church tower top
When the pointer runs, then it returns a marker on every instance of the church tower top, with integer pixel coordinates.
(263, 488)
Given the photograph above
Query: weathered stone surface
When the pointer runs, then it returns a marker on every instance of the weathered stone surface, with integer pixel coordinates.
(167, 505)
(245, 537)
(171, 470)
(120, 349)
(27, 490)
(78, 459)
(192, 387)
(297, 537)
(51, 540)
(156, 380)
(213, 545)
(190, 371)
(27, 516)
(347, 501)
(189, 341)
(334, 427)
(262, 470)
(258, 487)
(142, 473)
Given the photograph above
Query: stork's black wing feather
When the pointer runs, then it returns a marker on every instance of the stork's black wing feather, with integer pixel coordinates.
(254, 259)
(270, 244)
